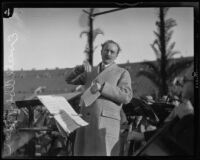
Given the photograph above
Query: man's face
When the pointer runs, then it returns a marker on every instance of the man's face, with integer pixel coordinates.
(188, 90)
(109, 53)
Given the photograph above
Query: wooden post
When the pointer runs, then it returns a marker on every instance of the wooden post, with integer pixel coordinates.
(91, 40)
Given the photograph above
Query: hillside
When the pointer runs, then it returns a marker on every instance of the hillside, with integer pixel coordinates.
(27, 81)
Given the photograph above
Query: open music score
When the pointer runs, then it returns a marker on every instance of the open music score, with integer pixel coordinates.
(63, 113)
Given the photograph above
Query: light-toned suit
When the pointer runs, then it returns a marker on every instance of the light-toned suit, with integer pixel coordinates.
(101, 136)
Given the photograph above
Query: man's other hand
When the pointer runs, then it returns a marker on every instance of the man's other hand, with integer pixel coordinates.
(87, 66)
(96, 87)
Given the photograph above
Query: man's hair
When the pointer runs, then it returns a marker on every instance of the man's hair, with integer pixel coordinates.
(113, 42)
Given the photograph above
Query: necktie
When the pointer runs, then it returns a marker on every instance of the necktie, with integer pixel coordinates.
(102, 67)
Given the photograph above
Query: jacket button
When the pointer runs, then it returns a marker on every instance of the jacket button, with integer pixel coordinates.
(87, 113)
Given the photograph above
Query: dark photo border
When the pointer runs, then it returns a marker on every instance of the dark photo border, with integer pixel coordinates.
(115, 4)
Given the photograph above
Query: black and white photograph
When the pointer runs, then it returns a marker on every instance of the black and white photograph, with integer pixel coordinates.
(99, 81)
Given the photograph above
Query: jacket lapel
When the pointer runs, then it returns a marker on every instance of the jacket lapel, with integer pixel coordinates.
(100, 76)
(97, 75)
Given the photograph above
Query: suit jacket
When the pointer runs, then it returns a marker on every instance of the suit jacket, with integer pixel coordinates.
(101, 136)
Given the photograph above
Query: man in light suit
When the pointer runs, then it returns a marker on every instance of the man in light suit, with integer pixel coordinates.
(101, 136)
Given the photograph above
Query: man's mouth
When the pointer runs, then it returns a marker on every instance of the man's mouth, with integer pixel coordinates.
(107, 58)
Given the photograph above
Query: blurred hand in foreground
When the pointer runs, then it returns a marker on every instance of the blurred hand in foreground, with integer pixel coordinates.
(87, 66)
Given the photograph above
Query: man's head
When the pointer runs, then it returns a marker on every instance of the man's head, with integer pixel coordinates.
(188, 86)
(110, 51)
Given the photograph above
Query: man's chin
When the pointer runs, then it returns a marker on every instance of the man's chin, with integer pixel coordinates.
(107, 61)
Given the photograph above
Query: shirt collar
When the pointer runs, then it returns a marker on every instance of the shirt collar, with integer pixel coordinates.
(106, 65)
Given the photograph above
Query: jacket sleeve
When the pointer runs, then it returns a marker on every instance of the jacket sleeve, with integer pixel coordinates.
(77, 76)
(122, 93)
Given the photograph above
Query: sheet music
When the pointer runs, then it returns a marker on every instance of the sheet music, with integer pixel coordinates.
(64, 114)
(66, 122)
(88, 97)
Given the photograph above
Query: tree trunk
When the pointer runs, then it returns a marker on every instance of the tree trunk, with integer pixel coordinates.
(163, 53)
(91, 41)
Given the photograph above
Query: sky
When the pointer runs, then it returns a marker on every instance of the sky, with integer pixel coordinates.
(43, 38)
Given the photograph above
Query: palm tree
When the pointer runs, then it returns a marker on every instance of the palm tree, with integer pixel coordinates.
(88, 33)
(96, 32)
(165, 69)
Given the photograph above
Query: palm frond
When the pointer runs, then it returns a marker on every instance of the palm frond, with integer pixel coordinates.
(165, 10)
(156, 34)
(96, 32)
(157, 23)
(157, 42)
(84, 32)
(170, 23)
(168, 36)
(171, 47)
(171, 54)
(156, 51)
(87, 49)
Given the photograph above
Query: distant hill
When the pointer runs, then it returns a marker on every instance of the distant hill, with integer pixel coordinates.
(27, 81)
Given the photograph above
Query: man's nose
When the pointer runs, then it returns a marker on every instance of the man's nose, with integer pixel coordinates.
(109, 53)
